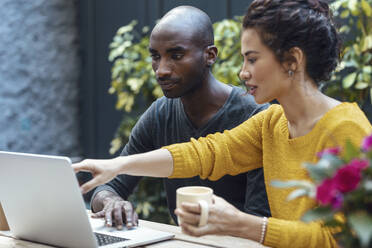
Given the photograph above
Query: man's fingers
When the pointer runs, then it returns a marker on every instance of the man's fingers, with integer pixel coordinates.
(135, 218)
(108, 216)
(99, 214)
(118, 215)
(128, 210)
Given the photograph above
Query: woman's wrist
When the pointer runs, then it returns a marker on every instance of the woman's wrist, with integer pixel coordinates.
(263, 230)
(120, 164)
(251, 226)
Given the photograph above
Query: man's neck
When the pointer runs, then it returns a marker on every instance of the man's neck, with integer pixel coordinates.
(201, 105)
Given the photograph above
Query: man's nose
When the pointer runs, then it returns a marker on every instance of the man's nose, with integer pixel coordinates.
(163, 69)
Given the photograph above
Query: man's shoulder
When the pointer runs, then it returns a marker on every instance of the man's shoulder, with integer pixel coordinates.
(238, 94)
(240, 99)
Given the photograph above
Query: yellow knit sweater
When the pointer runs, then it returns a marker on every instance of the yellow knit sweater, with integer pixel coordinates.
(263, 140)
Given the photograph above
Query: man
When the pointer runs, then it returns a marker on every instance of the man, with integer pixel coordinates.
(195, 105)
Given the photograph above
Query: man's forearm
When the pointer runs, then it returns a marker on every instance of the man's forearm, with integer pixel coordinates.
(98, 203)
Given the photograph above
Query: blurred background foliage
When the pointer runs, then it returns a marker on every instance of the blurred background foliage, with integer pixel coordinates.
(134, 83)
(352, 80)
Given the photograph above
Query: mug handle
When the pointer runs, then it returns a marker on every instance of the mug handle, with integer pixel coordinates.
(204, 213)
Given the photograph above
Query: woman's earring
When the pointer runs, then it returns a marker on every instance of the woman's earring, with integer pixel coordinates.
(290, 73)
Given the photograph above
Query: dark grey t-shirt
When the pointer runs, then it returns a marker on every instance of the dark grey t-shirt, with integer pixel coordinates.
(166, 122)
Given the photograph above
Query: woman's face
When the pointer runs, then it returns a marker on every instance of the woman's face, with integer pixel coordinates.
(263, 75)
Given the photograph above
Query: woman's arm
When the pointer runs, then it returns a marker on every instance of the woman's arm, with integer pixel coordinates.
(213, 156)
(225, 219)
(158, 163)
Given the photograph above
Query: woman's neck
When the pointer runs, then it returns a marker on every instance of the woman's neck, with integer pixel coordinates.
(304, 106)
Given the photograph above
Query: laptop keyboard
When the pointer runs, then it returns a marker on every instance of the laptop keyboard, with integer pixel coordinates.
(103, 239)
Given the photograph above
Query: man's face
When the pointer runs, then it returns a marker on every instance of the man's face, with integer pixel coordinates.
(178, 62)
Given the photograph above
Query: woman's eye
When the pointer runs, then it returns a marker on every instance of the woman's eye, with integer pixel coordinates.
(252, 60)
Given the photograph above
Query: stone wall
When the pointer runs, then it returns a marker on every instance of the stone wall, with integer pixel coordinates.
(39, 73)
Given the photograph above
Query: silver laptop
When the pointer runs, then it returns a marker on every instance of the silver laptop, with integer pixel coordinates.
(42, 202)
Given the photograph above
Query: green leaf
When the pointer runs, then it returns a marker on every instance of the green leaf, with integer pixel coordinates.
(318, 173)
(349, 80)
(292, 183)
(353, 6)
(297, 193)
(366, 77)
(367, 43)
(366, 8)
(345, 14)
(361, 223)
(145, 29)
(368, 185)
(324, 168)
(337, 4)
(367, 69)
(344, 29)
(319, 213)
(127, 28)
(361, 85)
(357, 49)
(351, 151)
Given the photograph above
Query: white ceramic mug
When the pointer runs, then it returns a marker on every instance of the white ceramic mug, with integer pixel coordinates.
(196, 194)
(3, 223)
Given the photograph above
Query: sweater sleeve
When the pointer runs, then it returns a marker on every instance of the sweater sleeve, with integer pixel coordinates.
(285, 233)
(231, 152)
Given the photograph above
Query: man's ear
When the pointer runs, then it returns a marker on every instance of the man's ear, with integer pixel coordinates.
(210, 55)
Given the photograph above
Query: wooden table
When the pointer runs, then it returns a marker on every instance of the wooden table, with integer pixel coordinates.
(180, 240)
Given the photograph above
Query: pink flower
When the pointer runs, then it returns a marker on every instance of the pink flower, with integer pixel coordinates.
(331, 151)
(359, 164)
(326, 191)
(337, 201)
(348, 177)
(367, 143)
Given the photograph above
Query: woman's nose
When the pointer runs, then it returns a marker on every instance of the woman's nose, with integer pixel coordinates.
(244, 75)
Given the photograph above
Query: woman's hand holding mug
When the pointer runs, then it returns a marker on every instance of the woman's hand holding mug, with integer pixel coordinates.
(200, 196)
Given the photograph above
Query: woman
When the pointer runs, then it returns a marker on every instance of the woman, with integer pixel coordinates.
(289, 46)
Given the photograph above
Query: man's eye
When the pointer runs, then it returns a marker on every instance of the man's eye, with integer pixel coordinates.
(155, 56)
(177, 56)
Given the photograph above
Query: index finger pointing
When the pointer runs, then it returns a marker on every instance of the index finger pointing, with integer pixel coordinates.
(82, 166)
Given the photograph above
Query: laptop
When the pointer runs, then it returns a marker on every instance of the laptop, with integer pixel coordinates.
(42, 202)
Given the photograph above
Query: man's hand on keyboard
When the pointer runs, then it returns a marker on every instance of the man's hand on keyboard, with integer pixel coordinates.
(116, 211)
